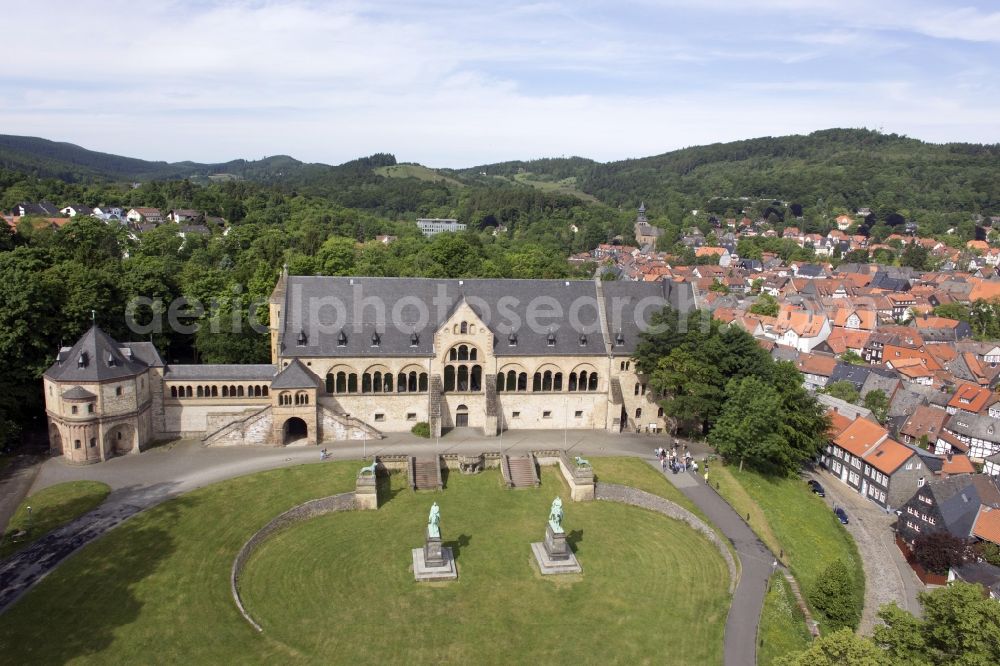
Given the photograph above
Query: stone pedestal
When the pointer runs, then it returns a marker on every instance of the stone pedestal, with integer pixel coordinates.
(366, 493)
(434, 561)
(555, 544)
(554, 555)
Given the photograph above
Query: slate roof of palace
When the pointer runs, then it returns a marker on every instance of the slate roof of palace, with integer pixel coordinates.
(296, 375)
(322, 307)
(96, 357)
(210, 372)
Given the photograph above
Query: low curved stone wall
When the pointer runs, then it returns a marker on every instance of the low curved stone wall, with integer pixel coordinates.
(310, 509)
(613, 492)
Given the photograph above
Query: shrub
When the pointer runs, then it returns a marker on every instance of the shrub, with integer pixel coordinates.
(834, 596)
(421, 429)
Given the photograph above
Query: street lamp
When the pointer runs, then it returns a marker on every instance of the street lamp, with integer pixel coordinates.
(29, 520)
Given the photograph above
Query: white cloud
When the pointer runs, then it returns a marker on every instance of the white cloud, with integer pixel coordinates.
(454, 85)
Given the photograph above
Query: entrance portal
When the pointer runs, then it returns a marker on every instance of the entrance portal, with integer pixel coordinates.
(294, 430)
(462, 417)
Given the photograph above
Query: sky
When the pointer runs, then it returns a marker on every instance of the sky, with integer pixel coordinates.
(462, 83)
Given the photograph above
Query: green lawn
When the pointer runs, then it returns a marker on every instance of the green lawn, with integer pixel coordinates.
(51, 508)
(782, 628)
(156, 589)
(795, 520)
(640, 474)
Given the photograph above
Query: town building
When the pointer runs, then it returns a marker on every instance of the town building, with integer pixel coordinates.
(430, 226)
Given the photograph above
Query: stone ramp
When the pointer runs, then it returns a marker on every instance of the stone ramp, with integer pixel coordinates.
(520, 472)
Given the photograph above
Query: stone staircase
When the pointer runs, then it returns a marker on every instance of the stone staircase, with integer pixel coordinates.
(519, 471)
(235, 431)
(434, 408)
(616, 392)
(425, 473)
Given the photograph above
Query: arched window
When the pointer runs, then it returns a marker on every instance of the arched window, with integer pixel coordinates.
(256, 391)
(330, 382)
(215, 391)
(572, 381)
(263, 391)
(501, 382)
(401, 383)
(536, 382)
(173, 391)
(582, 384)
(366, 383)
(592, 382)
(463, 353)
(387, 383)
(188, 389)
(340, 384)
(462, 378)
(547, 380)
(659, 413)
(284, 399)
(473, 354)
(239, 391)
(449, 378)
(637, 389)
(232, 391)
(464, 327)
(411, 382)
(201, 392)
(225, 391)
(638, 412)
(423, 381)
(476, 378)
(522, 381)
(352, 382)
(453, 354)
(511, 380)
(557, 381)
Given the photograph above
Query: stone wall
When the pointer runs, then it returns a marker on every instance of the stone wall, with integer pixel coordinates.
(254, 428)
(310, 509)
(614, 492)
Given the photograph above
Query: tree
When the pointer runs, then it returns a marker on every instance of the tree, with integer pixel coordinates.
(840, 648)
(852, 357)
(765, 306)
(878, 403)
(961, 625)
(988, 551)
(844, 390)
(915, 255)
(835, 596)
(745, 430)
(939, 551)
(953, 310)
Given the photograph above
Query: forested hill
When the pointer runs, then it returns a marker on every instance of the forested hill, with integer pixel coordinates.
(69, 162)
(832, 169)
(826, 171)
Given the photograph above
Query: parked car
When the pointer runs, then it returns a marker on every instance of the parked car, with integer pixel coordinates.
(842, 515)
(817, 487)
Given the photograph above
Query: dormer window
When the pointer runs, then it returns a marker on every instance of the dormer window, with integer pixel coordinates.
(512, 339)
(111, 361)
(302, 338)
(376, 340)
(342, 339)
(583, 339)
(619, 338)
(551, 339)
(414, 339)
(82, 361)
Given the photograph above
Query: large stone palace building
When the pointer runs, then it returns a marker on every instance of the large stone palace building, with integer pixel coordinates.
(356, 357)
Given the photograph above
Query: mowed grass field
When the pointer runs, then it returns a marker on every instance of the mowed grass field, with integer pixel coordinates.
(338, 589)
(51, 508)
(789, 517)
(352, 570)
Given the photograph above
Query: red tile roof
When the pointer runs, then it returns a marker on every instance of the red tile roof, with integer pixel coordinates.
(889, 456)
